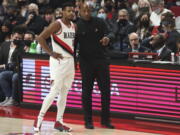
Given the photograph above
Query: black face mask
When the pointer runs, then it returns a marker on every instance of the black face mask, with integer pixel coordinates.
(145, 23)
(18, 42)
(123, 22)
(27, 42)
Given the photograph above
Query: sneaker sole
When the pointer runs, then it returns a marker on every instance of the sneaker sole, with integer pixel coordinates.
(36, 129)
(62, 130)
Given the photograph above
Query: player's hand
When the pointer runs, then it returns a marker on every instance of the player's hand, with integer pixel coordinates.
(105, 41)
(57, 56)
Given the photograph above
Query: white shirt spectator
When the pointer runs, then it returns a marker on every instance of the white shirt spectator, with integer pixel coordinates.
(156, 18)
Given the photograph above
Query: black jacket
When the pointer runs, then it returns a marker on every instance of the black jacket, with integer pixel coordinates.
(165, 55)
(88, 36)
(171, 40)
(4, 53)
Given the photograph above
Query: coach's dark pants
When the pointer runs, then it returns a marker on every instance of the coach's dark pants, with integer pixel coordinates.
(99, 70)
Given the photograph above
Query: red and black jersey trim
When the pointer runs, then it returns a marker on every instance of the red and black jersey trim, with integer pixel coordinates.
(63, 45)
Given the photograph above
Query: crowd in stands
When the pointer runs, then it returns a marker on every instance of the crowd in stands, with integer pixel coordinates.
(138, 25)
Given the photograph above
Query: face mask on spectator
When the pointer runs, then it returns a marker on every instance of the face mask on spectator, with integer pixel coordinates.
(145, 23)
(157, 11)
(102, 15)
(178, 2)
(17, 42)
(27, 42)
(123, 21)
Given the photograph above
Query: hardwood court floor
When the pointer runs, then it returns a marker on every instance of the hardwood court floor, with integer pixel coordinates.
(19, 121)
(14, 126)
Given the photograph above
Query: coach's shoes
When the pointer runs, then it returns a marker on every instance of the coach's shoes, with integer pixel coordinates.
(61, 127)
(107, 125)
(37, 127)
(89, 125)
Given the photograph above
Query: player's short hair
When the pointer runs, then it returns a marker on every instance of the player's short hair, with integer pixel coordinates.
(67, 4)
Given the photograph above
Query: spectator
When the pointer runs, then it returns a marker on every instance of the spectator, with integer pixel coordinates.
(29, 37)
(140, 5)
(34, 22)
(143, 7)
(48, 16)
(109, 6)
(102, 13)
(144, 27)
(135, 44)
(2, 10)
(125, 27)
(9, 53)
(22, 5)
(158, 9)
(158, 43)
(124, 4)
(5, 31)
(12, 14)
(168, 26)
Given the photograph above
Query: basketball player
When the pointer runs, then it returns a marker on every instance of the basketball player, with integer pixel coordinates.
(62, 33)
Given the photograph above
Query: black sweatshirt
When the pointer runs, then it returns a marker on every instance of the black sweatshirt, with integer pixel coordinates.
(88, 36)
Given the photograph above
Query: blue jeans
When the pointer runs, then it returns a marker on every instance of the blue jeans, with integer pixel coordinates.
(9, 83)
(1, 92)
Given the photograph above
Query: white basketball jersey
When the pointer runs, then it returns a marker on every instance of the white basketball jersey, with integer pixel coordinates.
(63, 40)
